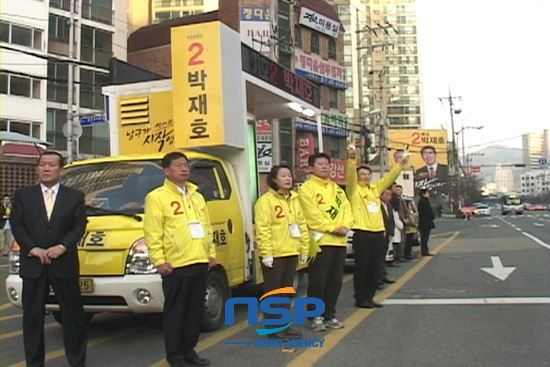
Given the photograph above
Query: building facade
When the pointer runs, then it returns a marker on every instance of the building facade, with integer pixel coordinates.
(504, 178)
(536, 185)
(35, 64)
(535, 146)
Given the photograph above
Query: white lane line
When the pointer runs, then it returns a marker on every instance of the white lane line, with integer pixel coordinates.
(538, 224)
(469, 301)
(540, 242)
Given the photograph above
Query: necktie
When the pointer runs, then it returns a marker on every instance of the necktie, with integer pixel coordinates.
(49, 202)
(432, 173)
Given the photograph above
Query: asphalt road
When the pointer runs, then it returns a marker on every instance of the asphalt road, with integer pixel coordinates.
(443, 311)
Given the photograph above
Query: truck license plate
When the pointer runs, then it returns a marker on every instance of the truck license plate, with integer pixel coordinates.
(86, 285)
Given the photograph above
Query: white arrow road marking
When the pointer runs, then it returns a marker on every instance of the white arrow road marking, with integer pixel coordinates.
(470, 301)
(498, 271)
(540, 242)
(489, 225)
(538, 224)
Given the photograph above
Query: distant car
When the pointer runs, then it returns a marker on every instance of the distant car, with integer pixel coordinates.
(482, 211)
(349, 251)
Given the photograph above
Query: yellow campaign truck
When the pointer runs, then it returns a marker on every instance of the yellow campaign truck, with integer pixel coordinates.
(207, 110)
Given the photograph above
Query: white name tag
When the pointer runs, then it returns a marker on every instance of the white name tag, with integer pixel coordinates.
(196, 230)
(294, 230)
(372, 207)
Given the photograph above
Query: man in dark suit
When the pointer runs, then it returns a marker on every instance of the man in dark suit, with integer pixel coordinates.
(426, 218)
(48, 220)
(433, 176)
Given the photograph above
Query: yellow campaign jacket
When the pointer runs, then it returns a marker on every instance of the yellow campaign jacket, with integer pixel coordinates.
(168, 213)
(365, 198)
(274, 213)
(326, 207)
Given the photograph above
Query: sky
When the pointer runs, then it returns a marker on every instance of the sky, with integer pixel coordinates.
(493, 54)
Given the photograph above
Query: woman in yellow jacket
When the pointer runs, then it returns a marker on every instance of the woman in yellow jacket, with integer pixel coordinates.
(281, 235)
(368, 228)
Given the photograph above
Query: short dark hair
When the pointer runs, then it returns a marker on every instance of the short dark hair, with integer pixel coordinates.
(422, 192)
(398, 150)
(428, 147)
(363, 167)
(313, 158)
(396, 185)
(170, 157)
(52, 152)
(6, 196)
(272, 175)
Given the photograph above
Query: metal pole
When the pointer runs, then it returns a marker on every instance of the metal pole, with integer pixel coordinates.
(359, 70)
(454, 152)
(70, 81)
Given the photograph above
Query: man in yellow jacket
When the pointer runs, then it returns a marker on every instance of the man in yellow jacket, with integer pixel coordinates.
(329, 219)
(179, 238)
(368, 228)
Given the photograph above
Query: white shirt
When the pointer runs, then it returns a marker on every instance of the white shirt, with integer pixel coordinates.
(45, 193)
(432, 169)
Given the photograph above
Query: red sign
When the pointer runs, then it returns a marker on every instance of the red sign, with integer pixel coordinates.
(304, 148)
(475, 169)
(263, 127)
(338, 171)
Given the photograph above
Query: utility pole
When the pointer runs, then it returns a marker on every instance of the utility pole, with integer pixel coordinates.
(453, 177)
(70, 115)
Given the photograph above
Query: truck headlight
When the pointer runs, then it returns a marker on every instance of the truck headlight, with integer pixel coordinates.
(14, 262)
(138, 261)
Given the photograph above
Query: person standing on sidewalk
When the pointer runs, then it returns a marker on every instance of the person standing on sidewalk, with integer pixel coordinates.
(180, 242)
(6, 237)
(368, 228)
(282, 237)
(426, 218)
(329, 219)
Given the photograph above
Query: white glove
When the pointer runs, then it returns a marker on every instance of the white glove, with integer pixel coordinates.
(268, 261)
(303, 259)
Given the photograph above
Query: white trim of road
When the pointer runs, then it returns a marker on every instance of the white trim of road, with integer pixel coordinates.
(469, 301)
(538, 241)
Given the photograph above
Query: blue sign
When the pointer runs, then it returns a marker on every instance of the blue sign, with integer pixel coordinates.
(321, 79)
(543, 161)
(93, 120)
(327, 130)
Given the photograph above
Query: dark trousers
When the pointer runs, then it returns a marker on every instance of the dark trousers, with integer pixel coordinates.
(409, 238)
(424, 237)
(326, 273)
(369, 251)
(184, 292)
(67, 292)
(279, 276)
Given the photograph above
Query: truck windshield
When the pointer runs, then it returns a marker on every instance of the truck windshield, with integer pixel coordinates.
(115, 186)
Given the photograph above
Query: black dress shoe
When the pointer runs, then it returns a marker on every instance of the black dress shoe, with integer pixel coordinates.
(293, 334)
(197, 361)
(393, 265)
(388, 280)
(364, 304)
(280, 335)
(408, 258)
(375, 304)
(428, 254)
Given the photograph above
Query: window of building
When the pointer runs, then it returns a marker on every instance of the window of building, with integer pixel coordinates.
(20, 85)
(314, 43)
(90, 88)
(58, 74)
(58, 28)
(286, 140)
(298, 36)
(96, 46)
(332, 49)
(335, 147)
(21, 35)
(284, 34)
(23, 127)
(333, 98)
(98, 10)
(55, 119)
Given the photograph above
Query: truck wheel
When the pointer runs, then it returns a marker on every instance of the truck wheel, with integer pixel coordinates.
(57, 317)
(217, 292)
